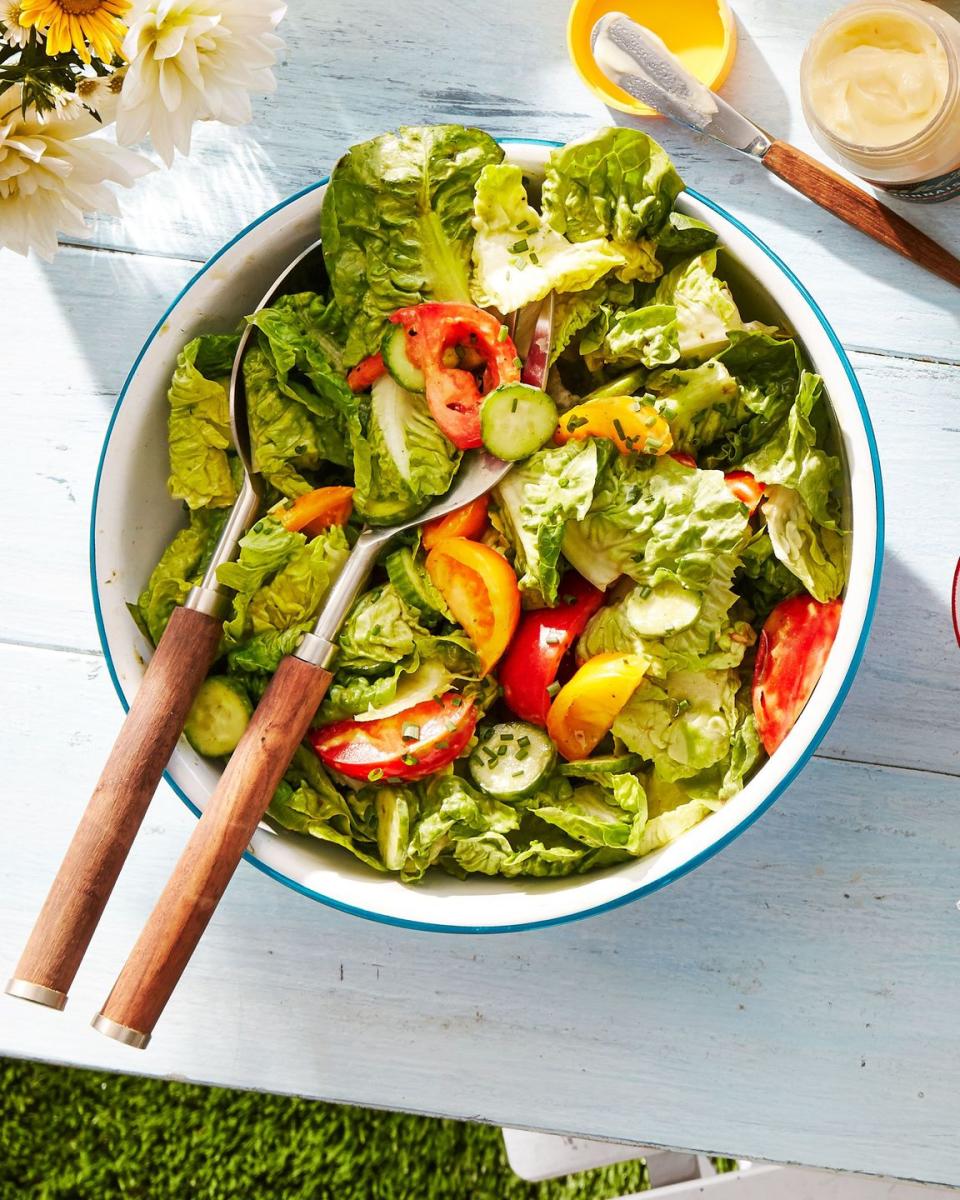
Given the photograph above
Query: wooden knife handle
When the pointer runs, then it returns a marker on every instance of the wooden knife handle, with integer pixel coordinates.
(859, 209)
(99, 848)
(210, 858)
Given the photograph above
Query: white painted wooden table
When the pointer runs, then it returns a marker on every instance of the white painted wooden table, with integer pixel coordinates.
(797, 998)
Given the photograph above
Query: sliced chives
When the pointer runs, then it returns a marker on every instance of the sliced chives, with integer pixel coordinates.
(411, 732)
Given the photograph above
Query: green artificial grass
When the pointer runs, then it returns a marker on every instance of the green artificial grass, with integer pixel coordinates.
(66, 1133)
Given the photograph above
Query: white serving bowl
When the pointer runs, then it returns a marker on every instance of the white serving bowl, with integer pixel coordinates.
(134, 518)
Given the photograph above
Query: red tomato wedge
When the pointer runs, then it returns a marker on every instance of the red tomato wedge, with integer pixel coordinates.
(748, 491)
(467, 522)
(409, 745)
(481, 591)
(542, 639)
(684, 459)
(366, 373)
(453, 394)
(318, 510)
(791, 654)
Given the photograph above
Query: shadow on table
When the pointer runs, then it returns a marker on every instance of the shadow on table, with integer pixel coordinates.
(900, 710)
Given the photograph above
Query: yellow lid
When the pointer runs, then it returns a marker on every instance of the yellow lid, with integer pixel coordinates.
(701, 33)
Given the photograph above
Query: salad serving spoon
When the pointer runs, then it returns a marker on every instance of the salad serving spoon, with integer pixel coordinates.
(157, 714)
(257, 765)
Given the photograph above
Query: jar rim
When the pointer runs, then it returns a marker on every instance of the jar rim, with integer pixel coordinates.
(931, 22)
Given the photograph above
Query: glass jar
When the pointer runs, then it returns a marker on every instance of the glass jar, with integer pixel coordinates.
(921, 161)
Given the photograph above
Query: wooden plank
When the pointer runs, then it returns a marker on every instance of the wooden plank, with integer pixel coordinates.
(351, 71)
(908, 683)
(794, 999)
(84, 318)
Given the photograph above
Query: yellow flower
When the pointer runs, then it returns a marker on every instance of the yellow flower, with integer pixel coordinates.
(81, 25)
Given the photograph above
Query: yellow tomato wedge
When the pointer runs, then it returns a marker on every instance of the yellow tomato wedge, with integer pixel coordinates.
(468, 522)
(481, 591)
(318, 510)
(631, 425)
(585, 708)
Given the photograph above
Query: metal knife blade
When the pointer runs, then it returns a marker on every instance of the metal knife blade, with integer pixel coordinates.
(635, 59)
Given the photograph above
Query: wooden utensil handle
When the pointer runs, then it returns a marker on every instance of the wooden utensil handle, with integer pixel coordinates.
(859, 209)
(115, 812)
(215, 848)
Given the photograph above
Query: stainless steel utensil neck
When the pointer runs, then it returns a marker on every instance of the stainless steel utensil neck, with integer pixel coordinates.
(209, 595)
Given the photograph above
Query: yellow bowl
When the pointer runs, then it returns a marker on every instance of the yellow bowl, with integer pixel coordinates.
(701, 33)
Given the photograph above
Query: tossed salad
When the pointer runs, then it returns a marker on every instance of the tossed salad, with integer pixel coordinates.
(581, 666)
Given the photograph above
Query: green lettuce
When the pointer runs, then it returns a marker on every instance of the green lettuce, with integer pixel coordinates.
(793, 459)
(698, 403)
(380, 631)
(306, 801)
(682, 725)
(574, 311)
(764, 580)
(682, 236)
(537, 501)
(181, 566)
(814, 553)
(198, 426)
(647, 519)
(617, 184)
(291, 429)
(517, 256)
(402, 460)
(281, 580)
(397, 224)
(706, 309)
(641, 336)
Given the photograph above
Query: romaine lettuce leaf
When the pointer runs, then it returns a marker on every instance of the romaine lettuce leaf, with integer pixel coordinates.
(574, 311)
(617, 183)
(379, 632)
(684, 724)
(814, 553)
(518, 257)
(706, 309)
(646, 336)
(792, 458)
(764, 580)
(537, 501)
(698, 403)
(396, 224)
(181, 566)
(403, 459)
(683, 236)
(307, 802)
(198, 426)
(280, 579)
(291, 428)
(648, 519)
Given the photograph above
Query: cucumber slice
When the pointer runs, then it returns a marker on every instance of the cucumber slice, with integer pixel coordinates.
(394, 351)
(415, 586)
(218, 717)
(516, 420)
(666, 609)
(604, 764)
(512, 760)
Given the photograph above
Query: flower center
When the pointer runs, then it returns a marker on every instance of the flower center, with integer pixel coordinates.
(79, 8)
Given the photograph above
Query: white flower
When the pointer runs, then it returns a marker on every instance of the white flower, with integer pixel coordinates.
(52, 174)
(14, 34)
(67, 106)
(194, 60)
